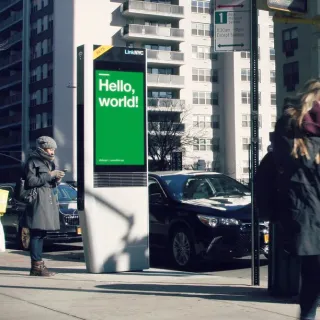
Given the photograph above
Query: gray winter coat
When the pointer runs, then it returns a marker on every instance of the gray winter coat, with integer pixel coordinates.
(43, 214)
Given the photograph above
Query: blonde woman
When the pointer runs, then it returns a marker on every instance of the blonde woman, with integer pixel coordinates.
(297, 157)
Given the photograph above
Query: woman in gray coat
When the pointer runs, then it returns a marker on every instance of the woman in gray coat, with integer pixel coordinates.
(43, 214)
(297, 157)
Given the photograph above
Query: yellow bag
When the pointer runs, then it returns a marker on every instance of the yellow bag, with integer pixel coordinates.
(3, 201)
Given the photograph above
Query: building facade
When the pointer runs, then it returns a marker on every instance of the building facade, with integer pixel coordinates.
(298, 54)
(187, 81)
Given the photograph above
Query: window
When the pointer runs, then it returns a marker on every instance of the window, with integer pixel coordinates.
(160, 94)
(32, 123)
(45, 46)
(272, 76)
(39, 26)
(50, 94)
(202, 144)
(50, 69)
(153, 47)
(203, 6)
(245, 143)
(45, 95)
(44, 120)
(245, 166)
(202, 121)
(289, 41)
(201, 29)
(49, 119)
(215, 144)
(160, 70)
(291, 75)
(203, 53)
(273, 98)
(245, 54)
(246, 122)
(271, 32)
(201, 97)
(272, 54)
(215, 98)
(215, 121)
(38, 121)
(204, 75)
(45, 22)
(273, 121)
(45, 3)
(245, 75)
(44, 71)
(245, 97)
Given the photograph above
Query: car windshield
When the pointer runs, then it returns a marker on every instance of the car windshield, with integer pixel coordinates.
(188, 187)
(66, 193)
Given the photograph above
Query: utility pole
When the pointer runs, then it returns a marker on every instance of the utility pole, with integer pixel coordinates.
(255, 253)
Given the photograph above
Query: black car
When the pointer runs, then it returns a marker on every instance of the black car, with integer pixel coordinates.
(13, 220)
(201, 215)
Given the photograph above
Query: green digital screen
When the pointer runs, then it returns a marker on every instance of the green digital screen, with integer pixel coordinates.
(119, 118)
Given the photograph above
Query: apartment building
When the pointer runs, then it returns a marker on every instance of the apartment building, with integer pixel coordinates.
(186, 78)
(298, 54)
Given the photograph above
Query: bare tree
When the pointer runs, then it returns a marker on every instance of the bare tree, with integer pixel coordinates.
(168, 132)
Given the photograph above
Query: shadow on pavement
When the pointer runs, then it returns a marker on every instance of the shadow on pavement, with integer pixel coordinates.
(212, 292)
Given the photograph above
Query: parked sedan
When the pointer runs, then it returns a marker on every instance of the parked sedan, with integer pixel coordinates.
(13, 220)
(201, 215)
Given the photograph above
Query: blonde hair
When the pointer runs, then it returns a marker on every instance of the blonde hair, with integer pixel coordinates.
(297, 109)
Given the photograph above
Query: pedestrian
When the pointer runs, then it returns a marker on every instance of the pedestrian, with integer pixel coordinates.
(42, 214)
(297, 158)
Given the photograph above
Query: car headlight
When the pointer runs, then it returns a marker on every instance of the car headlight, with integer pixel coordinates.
(215, 221)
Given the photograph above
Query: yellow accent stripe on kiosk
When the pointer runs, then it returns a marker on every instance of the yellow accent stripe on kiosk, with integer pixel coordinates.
(100, 51)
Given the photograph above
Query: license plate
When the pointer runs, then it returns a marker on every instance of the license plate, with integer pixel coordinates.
(266, 238)
(79, 230)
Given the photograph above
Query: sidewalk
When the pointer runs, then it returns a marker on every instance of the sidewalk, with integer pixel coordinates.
(152, 294)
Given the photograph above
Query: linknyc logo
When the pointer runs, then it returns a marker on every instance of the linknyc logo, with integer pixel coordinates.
(134, 52)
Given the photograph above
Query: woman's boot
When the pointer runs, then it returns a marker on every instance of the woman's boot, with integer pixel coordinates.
(38, 269)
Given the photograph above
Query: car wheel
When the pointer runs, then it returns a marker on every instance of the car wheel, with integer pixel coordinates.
(182, 249)
(24, 238)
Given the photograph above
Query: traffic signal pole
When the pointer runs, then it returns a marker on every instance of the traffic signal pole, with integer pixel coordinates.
(255, 253)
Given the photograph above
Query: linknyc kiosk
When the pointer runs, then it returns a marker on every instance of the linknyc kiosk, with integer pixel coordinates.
(112, 158)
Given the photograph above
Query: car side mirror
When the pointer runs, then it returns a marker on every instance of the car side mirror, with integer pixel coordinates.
(156, 198)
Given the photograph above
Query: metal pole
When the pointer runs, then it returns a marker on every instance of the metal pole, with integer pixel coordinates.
(255, 253)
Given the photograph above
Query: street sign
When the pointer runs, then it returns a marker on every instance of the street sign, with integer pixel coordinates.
(293, 6)
(232, 25)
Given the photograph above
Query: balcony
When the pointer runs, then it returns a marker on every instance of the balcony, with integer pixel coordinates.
(6, 4)
(141, 32)
(14, 140)
(174, 105)
(11, 100)
(174, 58)
(166, 127)
(10, 120)
(10, 80)
(165, 81)
(143, 9)
(12, 20)
(12, 40)
(10, 60)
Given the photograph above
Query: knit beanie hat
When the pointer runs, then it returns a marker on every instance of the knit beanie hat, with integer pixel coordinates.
(45, 142)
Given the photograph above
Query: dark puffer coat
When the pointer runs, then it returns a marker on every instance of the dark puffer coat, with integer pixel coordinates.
(299, 190)
(44, 213)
